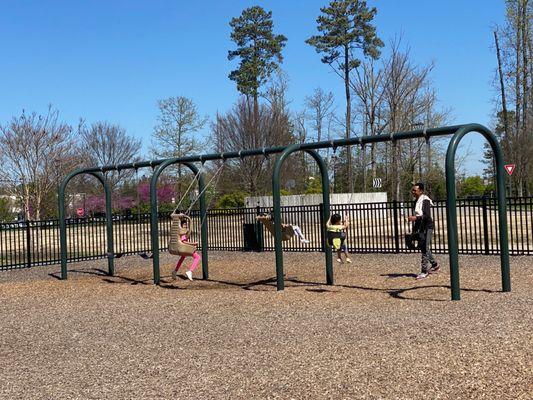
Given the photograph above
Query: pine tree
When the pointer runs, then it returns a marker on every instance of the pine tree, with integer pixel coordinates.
(345, 26)
(258, 49)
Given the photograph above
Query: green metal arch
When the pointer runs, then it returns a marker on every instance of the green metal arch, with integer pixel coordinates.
(63, 226)
(451, 209)
(458, 130)
(276, 195)
(154, 228)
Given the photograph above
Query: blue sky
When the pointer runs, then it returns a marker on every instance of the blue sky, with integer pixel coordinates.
(112, 60)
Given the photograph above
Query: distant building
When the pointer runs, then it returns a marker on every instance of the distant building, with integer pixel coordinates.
(14, 203)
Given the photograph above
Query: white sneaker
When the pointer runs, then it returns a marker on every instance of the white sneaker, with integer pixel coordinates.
(348, 260)
(422, 275)
(305, 241)
(339, 260)
(189, 275)
(174, 274)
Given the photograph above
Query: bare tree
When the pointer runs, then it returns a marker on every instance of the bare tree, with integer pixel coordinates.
(319, 114)
(36, 152)
(299, 122)
(516, 81)
(321, 107)
(368, 88)
(395, 96)
(404, 99)
(177, 125)
(176, 133)
(502, 85)
(236, 130)
(107, 144)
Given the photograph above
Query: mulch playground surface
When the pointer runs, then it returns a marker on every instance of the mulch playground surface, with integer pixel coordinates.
(376, 334)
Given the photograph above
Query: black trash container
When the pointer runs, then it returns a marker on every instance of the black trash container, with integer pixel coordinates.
(250, 238)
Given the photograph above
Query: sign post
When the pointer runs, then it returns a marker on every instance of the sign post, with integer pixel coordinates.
(509, 168)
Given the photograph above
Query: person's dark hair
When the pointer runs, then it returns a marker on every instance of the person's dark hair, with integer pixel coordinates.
(335, 219)
(420, 186)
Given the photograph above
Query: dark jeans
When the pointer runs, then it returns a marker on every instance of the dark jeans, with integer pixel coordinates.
(425, 248)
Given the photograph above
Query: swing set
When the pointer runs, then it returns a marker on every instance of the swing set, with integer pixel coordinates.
(458, 132)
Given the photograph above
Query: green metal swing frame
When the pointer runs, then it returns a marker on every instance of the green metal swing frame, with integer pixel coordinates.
(458, 132)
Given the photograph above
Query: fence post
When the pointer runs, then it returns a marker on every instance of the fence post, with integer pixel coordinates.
(396, 227)
(259, 231)
(322, 222)
(28, 244)
(485, 225)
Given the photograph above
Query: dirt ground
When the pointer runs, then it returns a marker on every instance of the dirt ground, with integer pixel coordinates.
(376, 334)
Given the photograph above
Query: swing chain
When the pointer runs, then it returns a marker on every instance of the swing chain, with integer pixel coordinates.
(215, 175)
(189, 188)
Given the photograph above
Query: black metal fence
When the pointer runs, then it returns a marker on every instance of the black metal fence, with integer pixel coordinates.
(374, 227)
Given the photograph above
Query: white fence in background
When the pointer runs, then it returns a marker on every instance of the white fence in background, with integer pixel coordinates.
(315, 199)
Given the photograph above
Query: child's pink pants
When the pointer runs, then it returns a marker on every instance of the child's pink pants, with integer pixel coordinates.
(195, 260)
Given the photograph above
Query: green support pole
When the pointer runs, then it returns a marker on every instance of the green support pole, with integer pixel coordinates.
(451, 219)
(276, 196)
(276, 200)
(325, 213)
(154, 228)
(451, 209)
(203, 222)
(63, 226)
(109, 226)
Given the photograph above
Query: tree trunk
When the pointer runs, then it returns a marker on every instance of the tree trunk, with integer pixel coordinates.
(179, 167)
(428, 150)
(502, 86)
(27, 202)
(373, 159)
(394, 187)
(397, 167)
(348, 116)
(363, 166)
(38, 208)
(523, 141)
(518, 101)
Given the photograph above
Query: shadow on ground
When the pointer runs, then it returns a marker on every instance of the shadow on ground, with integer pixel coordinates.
(269, 284)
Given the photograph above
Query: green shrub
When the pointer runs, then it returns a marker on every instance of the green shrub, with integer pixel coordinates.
(231, 200)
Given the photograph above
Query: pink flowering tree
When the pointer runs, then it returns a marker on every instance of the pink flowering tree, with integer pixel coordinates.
(165, 193)
(95, 204)
(122, 203)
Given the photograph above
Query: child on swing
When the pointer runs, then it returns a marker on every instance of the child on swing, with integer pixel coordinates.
(195, 256)
(336, 228)
(296, 229)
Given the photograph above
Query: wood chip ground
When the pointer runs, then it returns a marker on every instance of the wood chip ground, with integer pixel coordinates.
(376, 334)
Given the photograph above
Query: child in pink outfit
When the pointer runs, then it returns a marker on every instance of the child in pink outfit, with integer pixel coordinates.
(195, 260)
